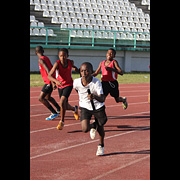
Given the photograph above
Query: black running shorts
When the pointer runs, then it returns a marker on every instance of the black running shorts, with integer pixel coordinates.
(99, 115)
(111, 87)
(47, 88)
(65, 91)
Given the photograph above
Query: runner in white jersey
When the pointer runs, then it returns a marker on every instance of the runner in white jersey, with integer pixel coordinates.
(96, 97)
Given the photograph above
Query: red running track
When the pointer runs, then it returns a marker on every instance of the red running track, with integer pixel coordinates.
(71, 154)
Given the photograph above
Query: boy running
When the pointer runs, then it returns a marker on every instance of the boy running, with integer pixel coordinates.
(87, 81)
(64, 83)
(110, 69)
(45, 95)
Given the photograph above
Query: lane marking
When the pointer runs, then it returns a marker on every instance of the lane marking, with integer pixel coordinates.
(32, 105)
(81, 144)
(112, 117)
(120, 86)
(53, 128)
(121, 167)
(145, 102)
(76, 94)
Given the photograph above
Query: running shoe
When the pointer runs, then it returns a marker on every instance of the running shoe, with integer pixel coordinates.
(125, 104)
(100, 151)
(60, 125)
(76, 115)
(52, 116)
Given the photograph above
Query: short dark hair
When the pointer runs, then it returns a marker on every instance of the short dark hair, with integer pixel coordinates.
(89, 65)
(39, 49)
(64, 50)
(114, 51)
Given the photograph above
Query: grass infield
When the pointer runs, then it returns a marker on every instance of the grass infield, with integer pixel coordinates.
(136, 77)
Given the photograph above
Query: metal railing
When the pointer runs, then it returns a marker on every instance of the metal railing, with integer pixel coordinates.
(54, 37)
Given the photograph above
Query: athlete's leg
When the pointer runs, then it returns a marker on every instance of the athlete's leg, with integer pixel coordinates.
(44, 101)
(85, 125)
(69, 107)
(53, 101)
(63, 105)
(66, 92)
(85, 120)
(119, 99)
(101, 132)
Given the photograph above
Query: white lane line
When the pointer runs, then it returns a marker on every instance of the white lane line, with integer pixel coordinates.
(32, 105)
(121, 87)
(35, 115)
(76, 93)
(53, 128)
(112, 117)
(81, 144)
(57, 101)
(121, 167)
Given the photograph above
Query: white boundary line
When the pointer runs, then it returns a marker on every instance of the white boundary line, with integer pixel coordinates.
(121, 167)
(31, 132)
(123, 84)
(81, 144)
(112, 117)
(121, 87)
(78, 100)
(77, 94)
(35, 115)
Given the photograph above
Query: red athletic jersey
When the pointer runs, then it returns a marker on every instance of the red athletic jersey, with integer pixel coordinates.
(44, 73)
(108, 75)
(64, 75)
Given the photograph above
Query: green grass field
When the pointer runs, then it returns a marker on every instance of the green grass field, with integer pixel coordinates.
(36, 79)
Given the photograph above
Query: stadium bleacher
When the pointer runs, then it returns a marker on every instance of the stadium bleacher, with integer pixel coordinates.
(82, 16)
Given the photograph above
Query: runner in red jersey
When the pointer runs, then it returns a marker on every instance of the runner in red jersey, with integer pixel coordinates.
(64, 74)
(45, 95)
(110, 70)
(64, 82)
(43, 71)
(108, 75)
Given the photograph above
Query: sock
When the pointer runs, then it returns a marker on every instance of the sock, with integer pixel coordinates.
(102, 145)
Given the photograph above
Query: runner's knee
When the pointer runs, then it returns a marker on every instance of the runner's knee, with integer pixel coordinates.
(84, 126)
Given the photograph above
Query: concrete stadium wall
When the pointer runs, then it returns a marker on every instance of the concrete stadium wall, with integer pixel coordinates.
(128, 60)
